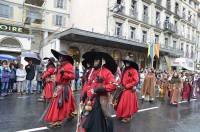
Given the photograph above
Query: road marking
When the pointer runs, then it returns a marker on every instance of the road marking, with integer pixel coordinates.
(186, 101)
(34, 129)
(151, 108)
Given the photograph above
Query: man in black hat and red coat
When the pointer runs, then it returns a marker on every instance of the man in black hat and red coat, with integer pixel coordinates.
(128, 102)
(100, 83)
(48, 77)
(63, 103)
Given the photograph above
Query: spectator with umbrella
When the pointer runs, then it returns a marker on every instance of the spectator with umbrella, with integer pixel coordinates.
(32, 59)
(30, 74)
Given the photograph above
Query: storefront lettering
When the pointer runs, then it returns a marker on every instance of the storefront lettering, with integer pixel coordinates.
(11, 28)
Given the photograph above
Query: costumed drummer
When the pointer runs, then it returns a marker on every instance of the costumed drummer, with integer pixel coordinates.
(100, 83)
(47, 77)
(63, 103)
(128, 102)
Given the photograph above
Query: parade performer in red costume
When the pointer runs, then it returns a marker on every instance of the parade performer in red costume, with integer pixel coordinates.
(47, 78)
(100, 83)
(63, 103)
(128, 103)
(187, 90)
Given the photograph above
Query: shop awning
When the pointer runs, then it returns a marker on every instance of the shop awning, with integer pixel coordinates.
(7, 57)
(83, 36)
(184, 63)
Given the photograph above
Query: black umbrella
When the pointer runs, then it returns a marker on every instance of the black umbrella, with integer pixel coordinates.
(31, 56)
(34, 60)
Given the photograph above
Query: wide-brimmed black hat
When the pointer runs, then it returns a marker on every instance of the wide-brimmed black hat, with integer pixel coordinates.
(64, 54)
(87, 61)
(51, 61)
(109, 61)
(132, 63)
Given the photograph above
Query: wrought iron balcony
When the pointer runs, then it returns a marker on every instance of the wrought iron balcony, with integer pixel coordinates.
(33, 16)
(159, 2)
(184, 15)
(119, 8)
(134, 13)
(145, 18)
(158, 23)
(168, 5)
(173, 51)
(177, 12)
(168, 26)
(35, 2)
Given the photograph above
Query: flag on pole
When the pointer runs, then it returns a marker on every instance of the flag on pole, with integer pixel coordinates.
(152, 51)
(157, 49)
(148, 47)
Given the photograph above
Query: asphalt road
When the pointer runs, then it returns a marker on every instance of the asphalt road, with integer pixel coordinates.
(19, 113)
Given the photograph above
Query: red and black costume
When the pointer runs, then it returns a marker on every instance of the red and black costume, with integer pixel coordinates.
(101, 81)
(128, 103)
(48, 82)
(63, 103)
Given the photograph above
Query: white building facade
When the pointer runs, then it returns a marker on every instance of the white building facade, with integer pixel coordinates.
(122, 26)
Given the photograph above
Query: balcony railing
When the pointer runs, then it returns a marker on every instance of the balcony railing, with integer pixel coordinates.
(169, 26)
(165, 47)
(177, 12)
(145, 19)
(158, 23)
(168, 6)
(133, 13)
(35, 2)
(159, 2)
(119, 8)
(184, 15)
(33, 16)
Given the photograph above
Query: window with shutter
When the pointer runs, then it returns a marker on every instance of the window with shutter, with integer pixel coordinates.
(58, 20)
(60, 4)
(4, 11)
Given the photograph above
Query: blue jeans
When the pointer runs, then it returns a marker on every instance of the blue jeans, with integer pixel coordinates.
(4, 88)
(39, 86)
(29, 86)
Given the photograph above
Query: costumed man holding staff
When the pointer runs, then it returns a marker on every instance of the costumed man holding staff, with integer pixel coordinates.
(47, 78)
(148, 89)
(174, 89)
(96, 103)
(128, 102)
(63, 103)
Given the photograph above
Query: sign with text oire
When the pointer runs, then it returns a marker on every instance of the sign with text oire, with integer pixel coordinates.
(9, 28)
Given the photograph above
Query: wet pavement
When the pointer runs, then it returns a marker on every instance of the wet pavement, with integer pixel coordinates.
(23, 112)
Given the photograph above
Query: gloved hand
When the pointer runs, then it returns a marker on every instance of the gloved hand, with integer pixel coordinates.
(62, 72)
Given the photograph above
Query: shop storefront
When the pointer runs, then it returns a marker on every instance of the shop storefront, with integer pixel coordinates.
(77, 42)
(14, 40)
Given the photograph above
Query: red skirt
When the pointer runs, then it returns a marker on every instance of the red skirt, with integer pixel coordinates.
(55, 113)
(48, 90)
(186, 92)
(128, 104)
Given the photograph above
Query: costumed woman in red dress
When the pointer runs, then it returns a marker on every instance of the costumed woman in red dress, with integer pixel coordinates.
(187, 90)
(96, 104)
(47, 78)
(63, 103)
(128, 103)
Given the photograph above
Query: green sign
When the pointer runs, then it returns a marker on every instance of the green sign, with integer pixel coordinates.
(9, 28)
